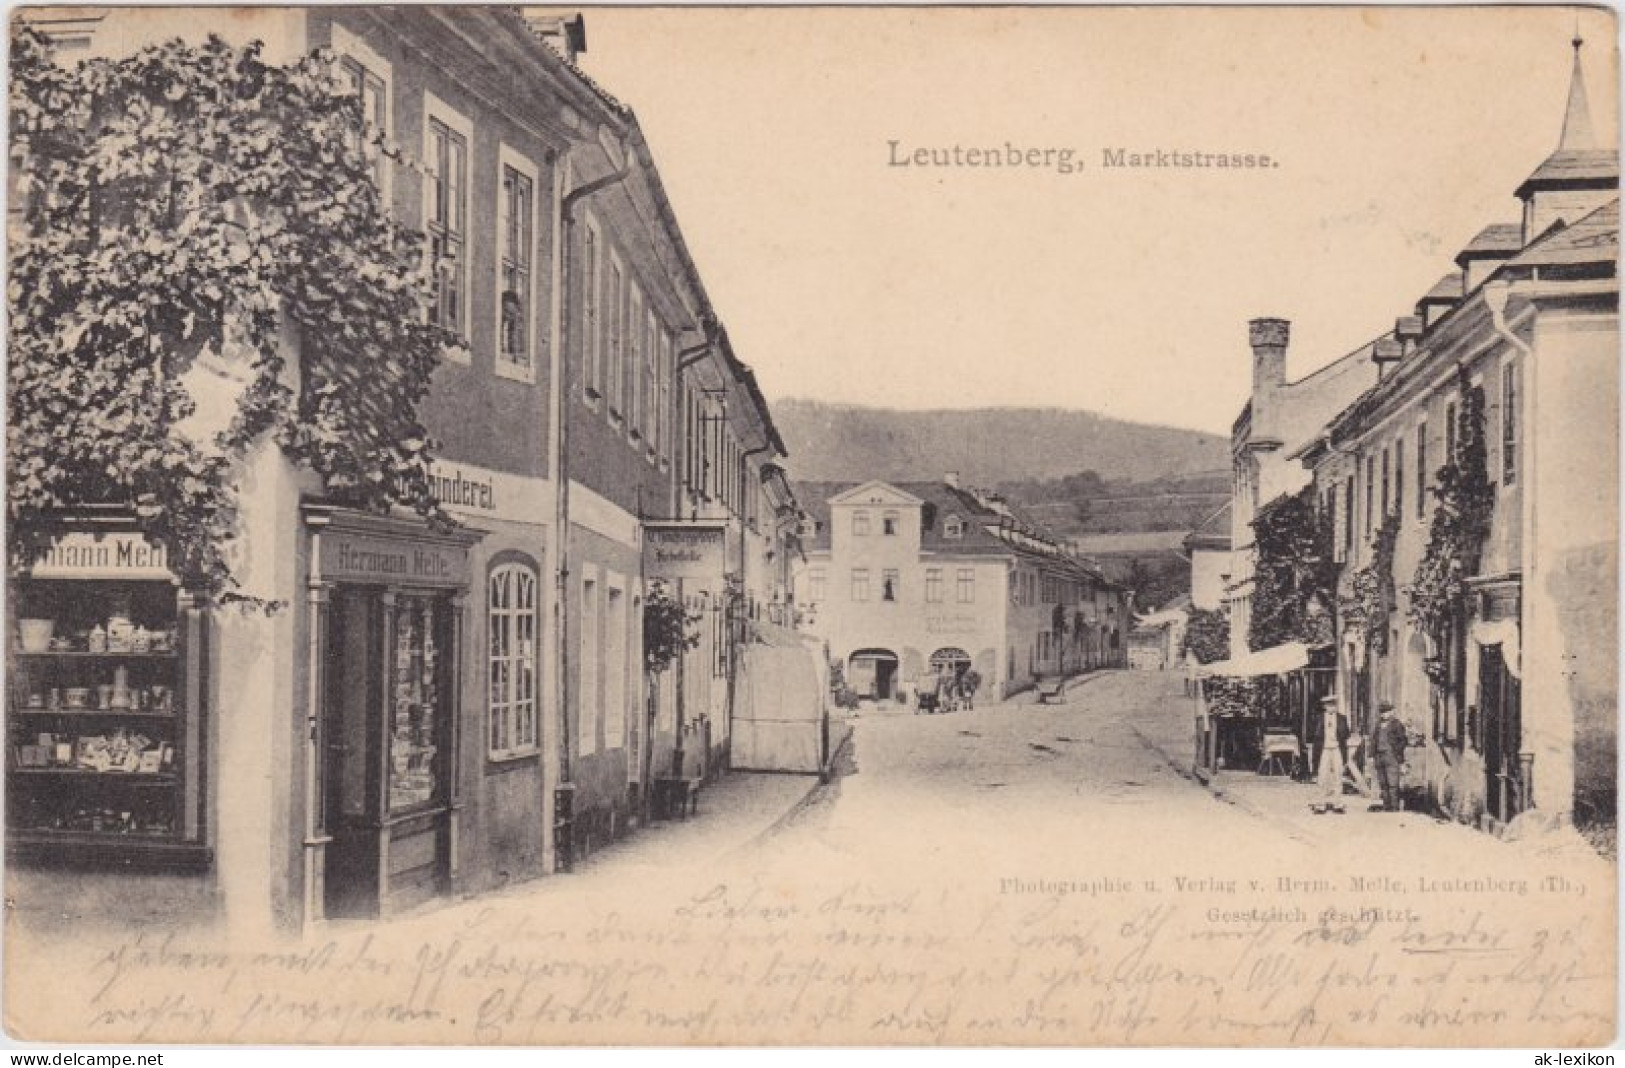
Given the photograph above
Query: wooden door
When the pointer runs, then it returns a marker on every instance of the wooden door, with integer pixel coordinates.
(350, 769)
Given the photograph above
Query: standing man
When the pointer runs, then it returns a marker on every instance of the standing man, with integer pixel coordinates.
(1334, 757)
(970, 682)
(1389, 746)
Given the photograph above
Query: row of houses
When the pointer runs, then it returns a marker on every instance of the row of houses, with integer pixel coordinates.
(1462, 470)
(912, 582)
(439, 711)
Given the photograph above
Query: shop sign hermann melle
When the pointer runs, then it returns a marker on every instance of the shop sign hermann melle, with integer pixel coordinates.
(358, 558)
(84, 554)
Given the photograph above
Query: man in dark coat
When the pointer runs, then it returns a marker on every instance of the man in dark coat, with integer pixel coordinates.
(1389, 751)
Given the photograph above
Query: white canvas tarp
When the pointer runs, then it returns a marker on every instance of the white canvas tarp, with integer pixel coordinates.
(780, 702)
(1276, 660)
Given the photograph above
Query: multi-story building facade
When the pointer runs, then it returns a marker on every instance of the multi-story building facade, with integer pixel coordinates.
(673, 466)
(1510, 364)
(1279, 418)
(411, 726)
(906, 580)
(1208, 549)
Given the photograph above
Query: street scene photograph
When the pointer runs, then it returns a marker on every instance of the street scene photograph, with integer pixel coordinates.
(947, 527)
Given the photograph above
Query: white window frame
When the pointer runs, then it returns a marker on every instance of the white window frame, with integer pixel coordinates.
(590, 701)
(508, 159)
(933, 585)
(616, 348)
(859, 590)
(346, 45)
(593, 328)
(651, 362)
(437, 110)
(1511, 390)
(514, 727)
(663, 429)
(817, 586)
(953, 527)
(860, 523)
(965, 586)
(631, 395)
(1422, 477)
(617, 660)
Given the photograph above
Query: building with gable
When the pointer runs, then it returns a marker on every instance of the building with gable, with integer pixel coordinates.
(441, 712)
(1503, 379)
(906, 579)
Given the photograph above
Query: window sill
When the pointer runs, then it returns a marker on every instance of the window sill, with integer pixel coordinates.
(515, 372)
(510, 761)
(459, 354)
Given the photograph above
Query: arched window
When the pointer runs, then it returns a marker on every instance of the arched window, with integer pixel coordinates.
(512, 637)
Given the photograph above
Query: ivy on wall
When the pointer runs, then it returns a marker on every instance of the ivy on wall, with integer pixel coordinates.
(1207, 636)
(1373, 600)
(1459, 525)
(1295, 575)
(188, 207)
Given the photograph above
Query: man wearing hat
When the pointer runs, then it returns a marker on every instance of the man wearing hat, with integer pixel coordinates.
(1389, 747)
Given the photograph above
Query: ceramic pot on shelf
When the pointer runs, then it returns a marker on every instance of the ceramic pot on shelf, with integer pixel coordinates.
(35, 634)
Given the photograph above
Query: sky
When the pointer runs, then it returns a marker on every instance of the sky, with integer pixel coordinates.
(1396, 134)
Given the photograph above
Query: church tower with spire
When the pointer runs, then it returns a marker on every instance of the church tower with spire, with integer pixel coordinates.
(1579, 176)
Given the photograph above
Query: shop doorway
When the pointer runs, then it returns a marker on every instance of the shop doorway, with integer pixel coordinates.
(1498, 693)
(387, 725)
(950, 662)
(874, 674)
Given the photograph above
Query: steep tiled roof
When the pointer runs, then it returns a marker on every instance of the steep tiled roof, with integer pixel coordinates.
(1495, 239)
(1593, 239)
(940, 501)
(1592, 166)
(1447, 288)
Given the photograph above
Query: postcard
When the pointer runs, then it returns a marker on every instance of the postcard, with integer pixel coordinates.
(824, 526)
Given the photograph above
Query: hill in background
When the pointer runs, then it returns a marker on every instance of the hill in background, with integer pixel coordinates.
(987, 446)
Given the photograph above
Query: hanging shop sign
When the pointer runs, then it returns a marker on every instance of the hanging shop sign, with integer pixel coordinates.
(84, 554)
(684, 551)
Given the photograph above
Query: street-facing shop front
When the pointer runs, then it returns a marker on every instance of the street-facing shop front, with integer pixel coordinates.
(387, 602)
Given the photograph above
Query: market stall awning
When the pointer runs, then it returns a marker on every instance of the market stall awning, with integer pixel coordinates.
(1276, 660)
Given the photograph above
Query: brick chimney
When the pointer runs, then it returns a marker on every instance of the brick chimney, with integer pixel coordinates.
(1268, 338)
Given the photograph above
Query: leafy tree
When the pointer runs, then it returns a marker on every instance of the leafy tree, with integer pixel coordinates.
(669, 629)
(192, 207)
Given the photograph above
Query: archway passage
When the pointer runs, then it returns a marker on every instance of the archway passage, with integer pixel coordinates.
(873, 673)
(950, 659)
